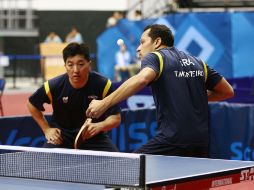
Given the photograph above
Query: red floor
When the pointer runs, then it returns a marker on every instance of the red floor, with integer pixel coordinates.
(15, 104)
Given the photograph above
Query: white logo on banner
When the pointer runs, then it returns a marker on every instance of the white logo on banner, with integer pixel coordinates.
(140, 101)
(192, 34)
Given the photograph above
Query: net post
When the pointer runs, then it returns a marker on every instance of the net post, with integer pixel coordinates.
(142, 172)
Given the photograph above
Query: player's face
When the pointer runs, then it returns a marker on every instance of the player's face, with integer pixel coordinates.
(78, 68)
(146, 44)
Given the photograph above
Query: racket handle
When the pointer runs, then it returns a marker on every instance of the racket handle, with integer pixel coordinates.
(88, 120)
(79, 137)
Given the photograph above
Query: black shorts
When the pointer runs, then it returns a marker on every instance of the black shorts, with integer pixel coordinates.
(156, 147)
(100, 142)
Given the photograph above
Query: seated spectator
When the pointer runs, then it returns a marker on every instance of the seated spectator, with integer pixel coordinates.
(53, 37)
(112, 20)
(123, 61)
(173, 6)
(138, 15)
(74, 36)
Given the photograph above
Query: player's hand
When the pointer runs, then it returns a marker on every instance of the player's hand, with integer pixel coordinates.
(96, 109)
(92, 129)
(53, 136)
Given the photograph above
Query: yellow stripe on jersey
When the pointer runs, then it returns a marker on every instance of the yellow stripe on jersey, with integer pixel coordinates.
(47, 90)
(205, 70)
(105, 91)
(161, 64)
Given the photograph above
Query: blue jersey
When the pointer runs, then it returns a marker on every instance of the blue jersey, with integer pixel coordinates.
(180, 95)
(70, 104)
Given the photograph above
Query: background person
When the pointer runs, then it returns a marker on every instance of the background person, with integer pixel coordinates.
(123, 62)
(52, 37)
(70, 95)
(74, 36)
(114, 18)
(181, 85)
(138, 15)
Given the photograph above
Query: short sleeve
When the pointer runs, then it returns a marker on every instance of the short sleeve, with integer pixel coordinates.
(213, 77)
(114, 109)
(151, 60)
(38, 98)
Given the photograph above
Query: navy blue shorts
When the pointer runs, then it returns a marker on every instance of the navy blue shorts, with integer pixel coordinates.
(156, 147)
(100, 142)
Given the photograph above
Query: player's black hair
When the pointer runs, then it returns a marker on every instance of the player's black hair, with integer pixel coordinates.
(74, 48)
(161, 31)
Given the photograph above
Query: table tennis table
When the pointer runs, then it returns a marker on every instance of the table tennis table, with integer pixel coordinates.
(161, 172)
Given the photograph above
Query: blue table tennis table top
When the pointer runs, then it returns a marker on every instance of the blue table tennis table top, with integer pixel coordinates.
(159, 169)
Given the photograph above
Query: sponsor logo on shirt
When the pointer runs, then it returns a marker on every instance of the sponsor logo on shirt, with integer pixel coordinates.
(65, 99)
(92, 97)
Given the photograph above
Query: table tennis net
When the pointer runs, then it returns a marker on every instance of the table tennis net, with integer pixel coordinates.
(92, 167)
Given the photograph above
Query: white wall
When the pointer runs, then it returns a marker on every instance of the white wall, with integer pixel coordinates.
(102, 5)
(80, 4)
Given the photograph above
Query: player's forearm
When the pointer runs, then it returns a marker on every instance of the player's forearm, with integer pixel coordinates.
(213, 96)
(111, 122)
(127, 89)
(223, 90)
(38, 117)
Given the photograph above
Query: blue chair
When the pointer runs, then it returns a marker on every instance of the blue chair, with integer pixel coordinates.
(2, 85)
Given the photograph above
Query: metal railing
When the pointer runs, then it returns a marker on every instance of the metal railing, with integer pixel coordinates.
(17, 18)
(149, 8)
(157, 8)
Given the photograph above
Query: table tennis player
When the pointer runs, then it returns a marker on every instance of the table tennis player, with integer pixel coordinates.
(70, 94)
(182, 85)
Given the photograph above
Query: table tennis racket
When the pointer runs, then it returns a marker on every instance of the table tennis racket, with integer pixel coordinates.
(80, 137)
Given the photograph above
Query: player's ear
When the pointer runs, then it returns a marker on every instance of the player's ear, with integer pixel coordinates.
(157, 42)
